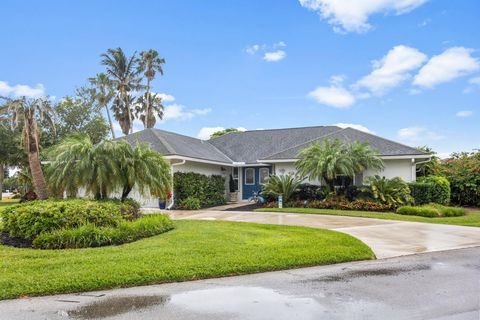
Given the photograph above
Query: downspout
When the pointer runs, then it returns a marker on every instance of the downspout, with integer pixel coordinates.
(421, 162)
(170, 206)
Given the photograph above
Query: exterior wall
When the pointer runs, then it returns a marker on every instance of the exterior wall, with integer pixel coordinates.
(402, 168)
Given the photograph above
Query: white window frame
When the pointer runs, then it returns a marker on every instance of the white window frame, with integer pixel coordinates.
(249, 184)
(260, 175)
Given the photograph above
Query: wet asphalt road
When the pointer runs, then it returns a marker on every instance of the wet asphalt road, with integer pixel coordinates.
(439, 285)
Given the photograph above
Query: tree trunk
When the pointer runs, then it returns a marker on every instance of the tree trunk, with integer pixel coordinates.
(330, 184)
(147, 112)
(2, 176)
(37, 176)
(110, 121)
(126, 191)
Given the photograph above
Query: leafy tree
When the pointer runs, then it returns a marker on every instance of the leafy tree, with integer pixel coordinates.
(392, 192)
(102, 93)
(149, 105)
(431, 167)
(125, 77)
(285, 185)
(28, 114)
(223, 132)
(11, 152)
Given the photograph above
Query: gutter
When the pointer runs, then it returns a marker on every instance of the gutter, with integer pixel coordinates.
(170, 206)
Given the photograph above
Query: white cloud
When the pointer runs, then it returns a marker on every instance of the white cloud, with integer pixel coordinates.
(179, 112)
(206, 132)
(450, 64)
(464, 114)
(475, 80)
(279, 44)
(354, 126)
(166, 97)
(274, 56)
(392, 69)
(334, 96)
(352, 15)
(414, 134)
(253, 49)
(22, 90)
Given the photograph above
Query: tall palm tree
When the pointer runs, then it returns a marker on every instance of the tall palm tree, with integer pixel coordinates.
(103, 93)
(325, 160)
(124, 75)
(148, 108)
(364, 157)
(149, 63)
(28, 113)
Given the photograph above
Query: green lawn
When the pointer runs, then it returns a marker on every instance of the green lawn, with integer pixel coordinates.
(7, 202)
(194, 250)
(472, 218)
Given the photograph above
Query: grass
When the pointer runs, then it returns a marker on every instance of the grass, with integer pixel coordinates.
(194, 250)
(8, 202)
(472, 219)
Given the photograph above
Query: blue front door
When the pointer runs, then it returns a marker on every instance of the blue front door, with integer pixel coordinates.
(253, 178)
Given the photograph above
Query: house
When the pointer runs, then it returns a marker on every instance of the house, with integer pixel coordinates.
(251, 156)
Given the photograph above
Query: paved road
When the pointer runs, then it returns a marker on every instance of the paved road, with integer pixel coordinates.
(387, 238)
(440, 285)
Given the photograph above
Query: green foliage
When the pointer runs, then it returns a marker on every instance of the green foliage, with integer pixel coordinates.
(432, 211)
(431, 189)
(431, 167)
(285, 185)
(210, 190)
(90, 235)
(463, 172)
(308, 191)
(329, 158)
(341, 203)
(392, 192)
(190, 203)
(30, 219)
(220, 133)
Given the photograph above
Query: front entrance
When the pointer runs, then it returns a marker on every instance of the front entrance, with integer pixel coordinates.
(253, 179)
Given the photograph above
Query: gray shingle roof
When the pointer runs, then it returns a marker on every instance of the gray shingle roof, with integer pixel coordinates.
(169, 143)
(250, 146)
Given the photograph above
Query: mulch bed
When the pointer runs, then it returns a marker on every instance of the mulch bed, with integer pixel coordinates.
(248, 207)
(6, 240)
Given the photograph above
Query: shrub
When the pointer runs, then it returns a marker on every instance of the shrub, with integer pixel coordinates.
(391, 192)
(432, 210)
(93, 236)
(28, 220)
(431, 189)
(284, 185)
(341, 203)
(308, 191)
(190, 203)
(210, 190)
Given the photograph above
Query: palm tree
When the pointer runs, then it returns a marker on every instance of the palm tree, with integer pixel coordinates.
(28, 113)
(148, 108)
(124, 75)
(325, 160)
(144, 168)
(102, 93)
(284, 185)
(149, 63)
(393, 192)
(364, 157)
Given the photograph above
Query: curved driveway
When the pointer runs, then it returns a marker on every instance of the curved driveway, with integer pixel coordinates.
(387, 238)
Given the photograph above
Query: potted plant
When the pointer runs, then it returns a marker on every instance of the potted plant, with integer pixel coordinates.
(233, 191)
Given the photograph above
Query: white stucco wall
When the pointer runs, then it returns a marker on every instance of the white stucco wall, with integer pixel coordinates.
(393, 168)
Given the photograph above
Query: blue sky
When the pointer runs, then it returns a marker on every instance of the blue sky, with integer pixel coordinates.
(407, 70)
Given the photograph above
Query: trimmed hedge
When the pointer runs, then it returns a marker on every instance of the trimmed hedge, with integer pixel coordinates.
(431, 189)
(29, 220)
(190, 203)
(209, 190)
(432, 210)
(92, 236)
(340, 203)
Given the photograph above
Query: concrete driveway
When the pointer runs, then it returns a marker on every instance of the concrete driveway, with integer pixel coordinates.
(387, 238)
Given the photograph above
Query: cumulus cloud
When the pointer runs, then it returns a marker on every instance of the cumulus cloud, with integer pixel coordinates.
(206, 132)
(274, 56)
(447, 66)
(166, 97)
(22, 90)
(352, 15)
(354, 126)
(334, 95)
(392, 69)
(464, 114)
(179, 112)
(415, 134)
(254, 48)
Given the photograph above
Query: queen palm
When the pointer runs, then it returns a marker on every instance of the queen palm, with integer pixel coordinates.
(364, 157)
(124, 75)
(102, 92)
(150, 63)
(28, 113)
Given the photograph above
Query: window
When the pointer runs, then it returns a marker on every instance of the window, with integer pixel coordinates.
(235, 178)
(249, 176)
(264, 175)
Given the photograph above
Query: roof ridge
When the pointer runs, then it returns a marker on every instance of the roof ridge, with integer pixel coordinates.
(273, 129)
(164, 142)
(220, 151)
(309, 141)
